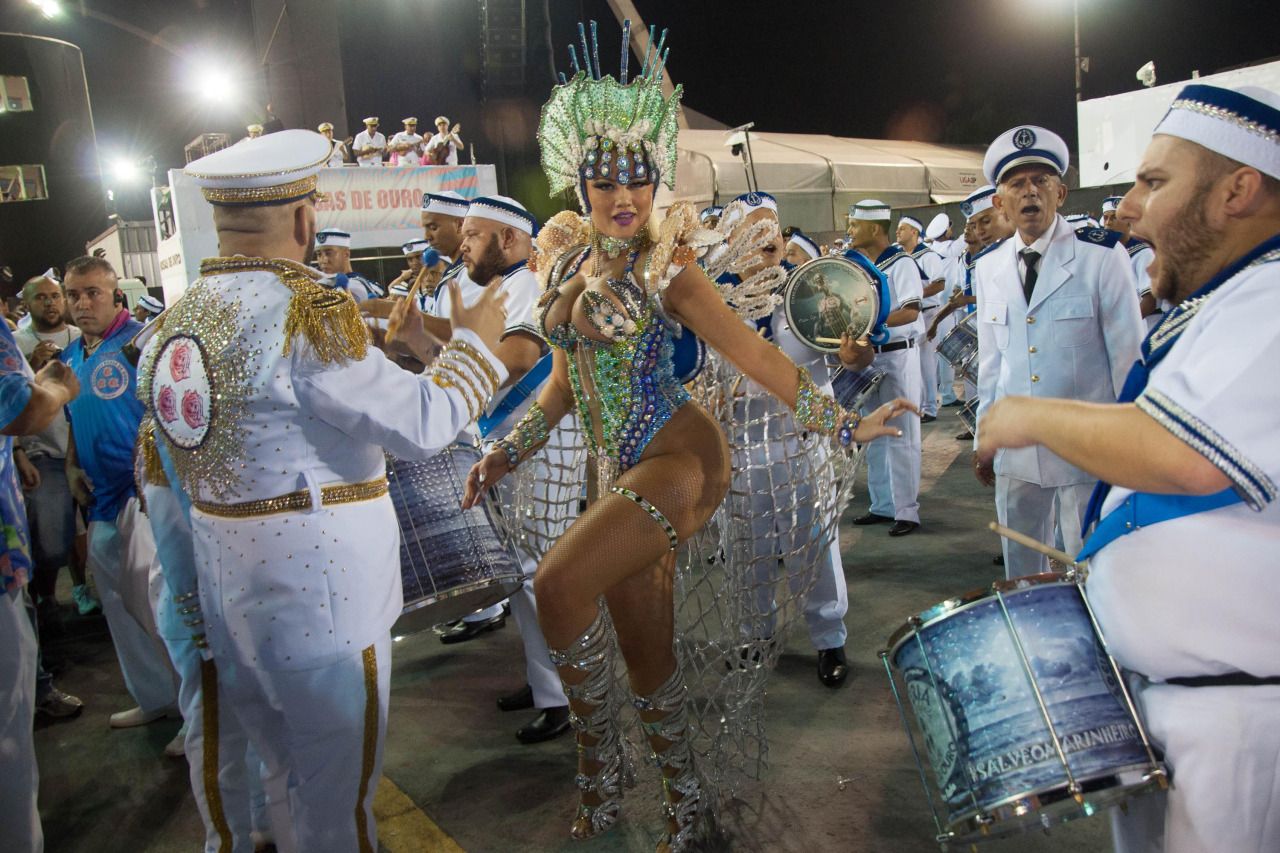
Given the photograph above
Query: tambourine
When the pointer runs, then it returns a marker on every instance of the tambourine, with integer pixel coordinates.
(826, 297)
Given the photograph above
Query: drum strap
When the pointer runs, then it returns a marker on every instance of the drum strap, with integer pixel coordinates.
(1141, 509)
(521, 391)
(1226, 679)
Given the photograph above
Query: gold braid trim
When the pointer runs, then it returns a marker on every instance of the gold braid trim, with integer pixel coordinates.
(328, 319)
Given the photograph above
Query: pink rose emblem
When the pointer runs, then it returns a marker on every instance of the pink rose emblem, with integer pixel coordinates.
(167, 404)
(180, 362)
(193, 410)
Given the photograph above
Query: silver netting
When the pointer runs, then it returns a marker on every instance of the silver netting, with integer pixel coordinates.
(548, 490)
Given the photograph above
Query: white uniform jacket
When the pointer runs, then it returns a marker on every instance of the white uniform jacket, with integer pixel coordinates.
(262, 385)
(1077, 339)
(365, 140)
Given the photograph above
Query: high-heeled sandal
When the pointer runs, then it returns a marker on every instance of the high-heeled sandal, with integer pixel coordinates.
(681, 788)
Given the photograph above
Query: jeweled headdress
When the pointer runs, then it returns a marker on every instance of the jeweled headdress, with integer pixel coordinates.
(596, 126)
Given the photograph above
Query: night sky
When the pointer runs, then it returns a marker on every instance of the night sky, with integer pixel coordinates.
(954, 72)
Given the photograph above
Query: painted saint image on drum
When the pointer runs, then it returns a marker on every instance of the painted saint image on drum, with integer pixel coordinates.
(828, 297)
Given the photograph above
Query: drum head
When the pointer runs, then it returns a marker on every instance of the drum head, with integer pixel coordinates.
(826, 297)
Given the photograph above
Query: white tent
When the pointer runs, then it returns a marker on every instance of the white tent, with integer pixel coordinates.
(816, 177)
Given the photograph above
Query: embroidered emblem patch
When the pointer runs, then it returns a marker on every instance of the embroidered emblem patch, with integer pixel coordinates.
(181, 392)
(110, 379)
(1024, 138)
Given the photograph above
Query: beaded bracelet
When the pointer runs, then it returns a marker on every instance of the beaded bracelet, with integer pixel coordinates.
(463, 348)
(530, 432)
(820, 412)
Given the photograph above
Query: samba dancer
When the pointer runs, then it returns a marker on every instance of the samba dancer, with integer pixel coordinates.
(1181, 562)
(661, 462)
(296, 541)
(893, 466)
(1057, 317)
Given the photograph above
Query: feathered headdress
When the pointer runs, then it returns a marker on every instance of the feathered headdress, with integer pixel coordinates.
(596, 126)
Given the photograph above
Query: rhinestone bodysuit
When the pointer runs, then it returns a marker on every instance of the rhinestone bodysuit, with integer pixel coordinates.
(624, 387)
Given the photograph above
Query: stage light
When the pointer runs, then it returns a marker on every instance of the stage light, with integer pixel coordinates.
(215, 83)
(124, 171)
(49, 8)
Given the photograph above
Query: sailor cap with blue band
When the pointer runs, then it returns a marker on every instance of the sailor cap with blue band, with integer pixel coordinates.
(1240, 124)
(448, 203)
(414, 247)
(912, 221)
(745, 205)
(806, 245)
(708, 212)
(150, 303)
(503, 209)
(872, 210)
(1081, 220)
(977, 201)
(1022, 145)
(333, 237)
(274, 169)
(937, 226)
(1111, 203)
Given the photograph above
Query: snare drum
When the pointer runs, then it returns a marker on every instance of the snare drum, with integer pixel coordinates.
(969, 370)
(969, 415)
(960, 344)
(452, 561)
(852, 387)
(827, 297)
(1024, 716)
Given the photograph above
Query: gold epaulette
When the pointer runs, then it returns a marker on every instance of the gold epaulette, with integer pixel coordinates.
(328, 319)
(146, 459)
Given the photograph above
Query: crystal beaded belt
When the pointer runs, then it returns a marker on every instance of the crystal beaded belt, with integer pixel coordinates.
(340, 493)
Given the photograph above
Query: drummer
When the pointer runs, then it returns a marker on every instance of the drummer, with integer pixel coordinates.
(287, 480)
(1183, 558)
(934, 273)
(800, 249)
(893, 465)
(1141, 256)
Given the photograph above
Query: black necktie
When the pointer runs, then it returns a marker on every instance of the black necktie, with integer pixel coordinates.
(1029, 283)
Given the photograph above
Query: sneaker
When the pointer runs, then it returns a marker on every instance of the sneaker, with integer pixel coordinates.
(137, 717)
(177, 748)
(85, 602)
(59, 706)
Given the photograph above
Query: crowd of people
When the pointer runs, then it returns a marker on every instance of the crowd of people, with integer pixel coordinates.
(227, 458)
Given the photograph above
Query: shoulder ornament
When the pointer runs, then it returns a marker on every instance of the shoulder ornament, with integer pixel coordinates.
(1098, 236)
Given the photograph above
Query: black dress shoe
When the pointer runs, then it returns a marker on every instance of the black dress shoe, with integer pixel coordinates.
(928, 419)
(954, 404)
(998, 559)
(463, 631)
(550, 723)
(832, 667)
(518, 701)
(902, 528)
(872, 518)
(964, 436)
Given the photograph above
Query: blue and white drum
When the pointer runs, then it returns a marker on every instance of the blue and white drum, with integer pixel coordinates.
(1023, 715)
(969, 414)
(452, 561)
(960, 344)
(852, 387)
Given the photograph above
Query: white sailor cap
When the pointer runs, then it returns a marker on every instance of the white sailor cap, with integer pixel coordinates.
(745, 205)
(503, 209)
(1240, 124)
(806, 245)
(1081, 220)
(1111, 203)
(447, 203)
(325, 125)
(710, 211)
(150, 303)
(414, 247)
(400, 289)
(871, 209)
(254, 128)
(977, 201)
(52, 275)
(410, 120)
(333, 237)
(1022, 145)
(371, 120)
(937, 226)
(912, 221)
(273, 169)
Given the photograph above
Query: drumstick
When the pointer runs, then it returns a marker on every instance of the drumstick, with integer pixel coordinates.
(827, 340)
(1033, 544)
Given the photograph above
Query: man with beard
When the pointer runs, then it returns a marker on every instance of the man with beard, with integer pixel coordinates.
(1056, 318)
(1181, 563)
(1141, 256)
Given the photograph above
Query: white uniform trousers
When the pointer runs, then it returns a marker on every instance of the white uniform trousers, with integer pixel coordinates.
(1222, 746)
(20, 830)
(946, 372)
(121, 554)
(1040, 512)
(928, 367)
(548, 690)
(321, 732)
(893, 463)
(238, 776)
(784, 528)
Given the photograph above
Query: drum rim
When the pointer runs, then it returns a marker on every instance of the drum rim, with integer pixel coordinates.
(967, 600)
(967, 821)
(513, 580)
(790, 283)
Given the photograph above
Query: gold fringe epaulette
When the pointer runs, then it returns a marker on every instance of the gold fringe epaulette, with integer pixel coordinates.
(146, 460)
(328, 319)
